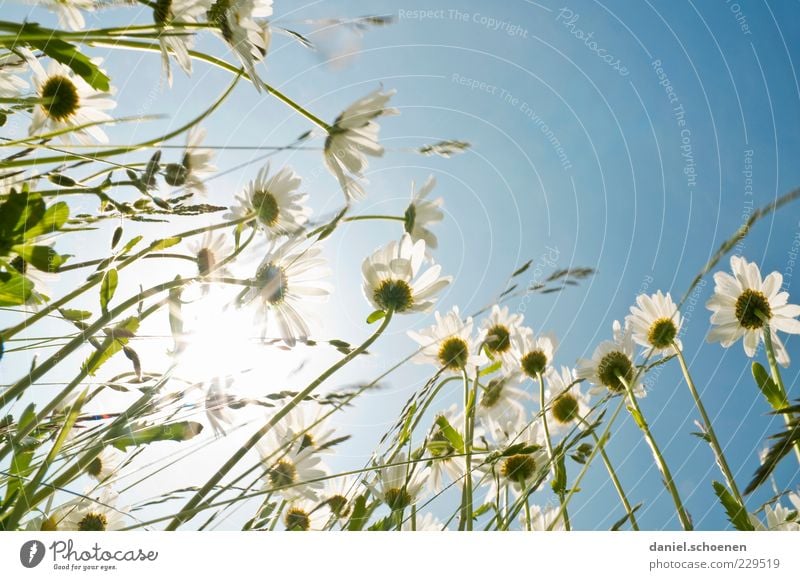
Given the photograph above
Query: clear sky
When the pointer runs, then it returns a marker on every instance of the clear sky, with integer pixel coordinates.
(628, 137)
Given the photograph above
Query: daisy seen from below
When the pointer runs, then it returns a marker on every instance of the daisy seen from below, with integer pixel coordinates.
(399, 484)
(249, 38)
(501, 329)
(93, 515)
(656, 323)
(209, 250)
(11, 86)
(444, 459)
(174, 39)
(353, 136)
(448, 344)
(422, 213)
(105, 465)
(745, 305)
(292, 472)
(566, 404)
(196, 165)
(533, 354)
(306, 516)
(501, 402)
(287, 278)
(392, 279)
(521, 470)
(66, 102)
(308, 431)
(338, 493)
(612, 365)
(69, 11)
(278, 207)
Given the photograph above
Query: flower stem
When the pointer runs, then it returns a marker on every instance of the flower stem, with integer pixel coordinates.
(550, 455)
(778, 379)
(469, 405)
(373, 217)
(613, 475)
(528, 508)
(669, 483)
(709, 429)
(198, 497)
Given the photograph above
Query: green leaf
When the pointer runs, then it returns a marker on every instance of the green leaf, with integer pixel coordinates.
(107, 288)
(522, 268)
(116, 237)
(737, 515)
(48, 41)
(786, 440)
(53, 218)
(116, 338)
(163, 244)
(452, 436)
(375, 316)
(74, 315)
(15, 289)
(621, 522)
(360, 514)
(559, 483)
(769, 389)
(42, 258)
(138, 434)
(129, 246)
(61, 180)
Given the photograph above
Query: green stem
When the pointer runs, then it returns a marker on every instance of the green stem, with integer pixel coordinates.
(778, 379)
(550, 454)
(669, 483)
(613, 475)
(466, 507)
(373, 217)
(709, 429)
(527, 508)
(180, 517)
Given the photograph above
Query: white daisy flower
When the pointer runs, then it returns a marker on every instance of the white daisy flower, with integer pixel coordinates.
(519, 471)
(391, 281)
(533, 354)
(306, 516)
(426, 523)
(209, 250)
(11, 85)
(249, 39)
(399, 484)
(286, 279)
(566, 404)
(308, 431)
(611, 360)
(280, 209)
(67, 101)
(656, 322)
(353, 136)
(779, 519)
(542, 518)
(292, 472)
(743, 304)
(105, 465)
(196, 163)
(69, 11)
(92, 515)
(449, 344)
(178, 41)
(338, 494)
(444, 461)
(501, 403)
(422, 213)
(501, 328)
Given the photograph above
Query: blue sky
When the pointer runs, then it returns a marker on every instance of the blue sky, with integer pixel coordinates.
(578, 155)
